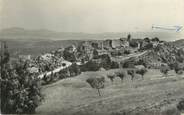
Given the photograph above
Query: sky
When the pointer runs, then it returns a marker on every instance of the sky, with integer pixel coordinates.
(91, 16)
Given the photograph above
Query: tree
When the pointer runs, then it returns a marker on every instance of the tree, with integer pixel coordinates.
(178, 68)
(20, 91)
(133, 43)
(114, 65)
(96, 83)
(128, 37)
(141, 72)
(147, 39)
(164, 70)
(5, 56)
(155, 39)
(131, 72)
(90, 66)
(127, 52)
(180, 105)
(105, 61)
(74, 69)
(111, 77)
(121, 75)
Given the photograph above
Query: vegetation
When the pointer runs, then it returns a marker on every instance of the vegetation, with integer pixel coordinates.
(133, 44)
(111, 77)
(131, 72)
(180, 105)
(96, 83)
(121, 75)
(20, 91)
(127, 52)
(164, 70)
(141, 72)
(155, 39)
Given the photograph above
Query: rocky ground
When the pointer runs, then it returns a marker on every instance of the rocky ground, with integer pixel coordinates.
(154, 95)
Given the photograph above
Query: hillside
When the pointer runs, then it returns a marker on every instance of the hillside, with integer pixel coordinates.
(179, 43)
(75, 96)
(37, 47)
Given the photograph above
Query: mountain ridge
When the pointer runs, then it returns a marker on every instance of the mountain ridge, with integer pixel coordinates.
(21, 33)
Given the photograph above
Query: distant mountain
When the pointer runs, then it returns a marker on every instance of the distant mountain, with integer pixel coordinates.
(44, 34)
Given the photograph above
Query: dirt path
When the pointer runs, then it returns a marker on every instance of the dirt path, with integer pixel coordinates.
(75, 96)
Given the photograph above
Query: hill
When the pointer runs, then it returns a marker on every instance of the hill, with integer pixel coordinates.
(74, 96)
(36, 47)
(21, 33)
(179, 43)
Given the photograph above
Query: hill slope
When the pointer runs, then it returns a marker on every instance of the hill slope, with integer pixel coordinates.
(75, 96)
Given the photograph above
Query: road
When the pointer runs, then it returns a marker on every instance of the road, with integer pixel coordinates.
(56, 70)
(123, 58)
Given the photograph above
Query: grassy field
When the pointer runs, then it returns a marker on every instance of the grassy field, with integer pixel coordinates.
(153, 95)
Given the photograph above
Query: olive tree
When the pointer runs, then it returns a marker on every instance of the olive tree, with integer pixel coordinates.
(111, 77)
(131, 72)
(141, 72)
(121, 75)
(96, 83)
(164, 69)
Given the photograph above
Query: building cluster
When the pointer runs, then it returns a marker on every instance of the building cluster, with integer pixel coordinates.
(88, 50)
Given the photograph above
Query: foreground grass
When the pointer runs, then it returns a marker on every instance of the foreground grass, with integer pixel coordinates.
(154, 94)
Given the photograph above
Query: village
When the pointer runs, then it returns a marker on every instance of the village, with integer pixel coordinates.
(111, 51)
